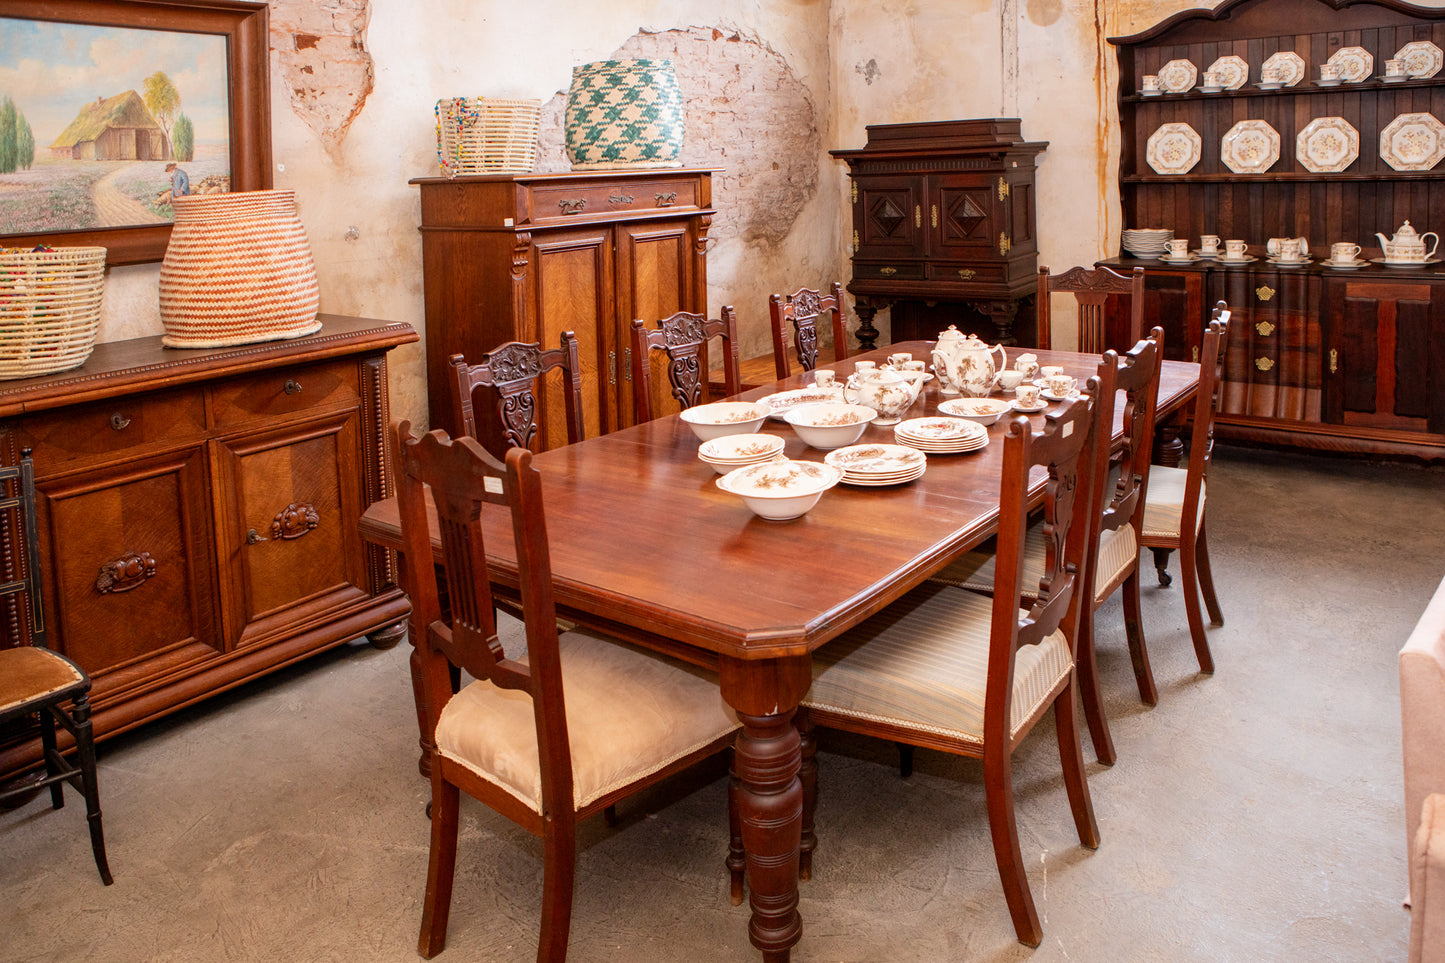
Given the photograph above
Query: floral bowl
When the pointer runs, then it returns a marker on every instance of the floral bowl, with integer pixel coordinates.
(830, 425)
(725, 418)
(985, 411)
(782, 489)
(738, 451)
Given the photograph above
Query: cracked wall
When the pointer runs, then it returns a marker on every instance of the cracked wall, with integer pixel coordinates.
(326, 70)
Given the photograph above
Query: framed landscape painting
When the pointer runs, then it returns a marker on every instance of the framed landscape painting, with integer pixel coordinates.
(108, 108)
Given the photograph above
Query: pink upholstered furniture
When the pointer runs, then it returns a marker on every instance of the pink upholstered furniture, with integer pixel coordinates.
(1422, 723)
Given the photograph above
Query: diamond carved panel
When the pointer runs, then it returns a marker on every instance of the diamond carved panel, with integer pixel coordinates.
(888, 217)
(967, 218)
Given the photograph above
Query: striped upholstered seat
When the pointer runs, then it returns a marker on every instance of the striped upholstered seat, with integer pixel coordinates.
(1165, 502)
(1118, 550)
(923, 663)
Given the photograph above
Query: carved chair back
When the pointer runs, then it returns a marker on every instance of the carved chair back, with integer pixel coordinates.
(517, 375)
(802, 309)
(1092, 290)
(1137, 376)
(684, 338)
(1206, 406)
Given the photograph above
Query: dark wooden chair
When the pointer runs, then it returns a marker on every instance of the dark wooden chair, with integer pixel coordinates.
(514, 739)
(801, 310)
(35, 681)
(684, 337)
(515, 373)
(950, 669)
(1176, 494)
(1092, 289)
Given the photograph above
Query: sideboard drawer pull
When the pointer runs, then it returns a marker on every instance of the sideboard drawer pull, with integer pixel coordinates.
(294, 520)
(619, 199)
(293, 387)
(573, 205)
(1264, 364)
(119, 421)
(663, 200)
(888, 272)
(127, 572)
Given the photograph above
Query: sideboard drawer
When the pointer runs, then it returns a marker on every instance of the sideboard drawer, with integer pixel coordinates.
(89, 434)
(286, 391)
(586, 200)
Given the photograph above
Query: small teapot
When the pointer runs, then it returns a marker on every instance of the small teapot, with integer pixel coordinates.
(965, 365)
(884, 390)
(1407, 245)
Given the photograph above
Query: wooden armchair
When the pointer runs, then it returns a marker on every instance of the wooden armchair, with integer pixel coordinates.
(950, 669)
(684, 337)
(516, 373)
(514, 739)
(802, 309)
(35, 681)
(1092, 290)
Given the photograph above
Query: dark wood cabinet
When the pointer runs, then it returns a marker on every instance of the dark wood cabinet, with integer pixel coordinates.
(198, 511)
(526, 257)
(1321, 358)
(943, 213)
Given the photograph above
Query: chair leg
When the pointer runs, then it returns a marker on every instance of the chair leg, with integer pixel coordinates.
(85, 758)
(1138, 651)
(1192, 612)
(1003, 825)
(51, 752)
(1161, 565)
(808, 778)
(440, 868)
(559, 871)
(1071, 757)
(1093, 697)
(609, 816)
(737, 860)
(1206, 580)
(905, 759)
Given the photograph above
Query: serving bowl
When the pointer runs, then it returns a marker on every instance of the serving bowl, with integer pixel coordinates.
(725, 418)
(738, 451)
(830, 425)
(985, 411)
(782, 489)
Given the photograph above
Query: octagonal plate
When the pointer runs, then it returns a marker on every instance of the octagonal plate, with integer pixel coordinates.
(1290, 65)
(1422, 58)
(1234, 71)
(1173, 149)
(1327, 145)
(1413, 142)
(1250, 147)
(1355, 63)
(1178, 76)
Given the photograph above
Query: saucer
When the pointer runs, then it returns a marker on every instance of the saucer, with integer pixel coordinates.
(1226, 259)
(1208, 255)
(1404, 264)
(1178, 260)
(1151, 93)
(1027, 409)
(1209, 90)
(1394, 80)
(1068, 397)
(1344, 265)
(1292, 262)
(1328, 83)
(1269, 85)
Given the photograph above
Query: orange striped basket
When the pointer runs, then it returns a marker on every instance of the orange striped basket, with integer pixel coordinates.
(238, 270)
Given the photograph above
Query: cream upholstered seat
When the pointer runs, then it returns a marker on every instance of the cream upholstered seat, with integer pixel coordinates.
(949, 669)
(540, 752)
(1165, 505)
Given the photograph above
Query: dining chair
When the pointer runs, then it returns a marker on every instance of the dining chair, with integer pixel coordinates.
(1112, 556)
(1092, 290)
(515, 373)
(683, 337)
(950, 669)
(540, 753)
(1179, 493)
(36, 682)
(801, 310)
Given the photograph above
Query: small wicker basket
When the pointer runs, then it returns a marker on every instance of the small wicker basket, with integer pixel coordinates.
(49, 309)
(479, 135)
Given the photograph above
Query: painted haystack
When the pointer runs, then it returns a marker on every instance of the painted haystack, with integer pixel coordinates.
(115, 128)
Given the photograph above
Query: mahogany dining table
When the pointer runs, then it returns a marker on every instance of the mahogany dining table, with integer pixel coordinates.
(645, 545)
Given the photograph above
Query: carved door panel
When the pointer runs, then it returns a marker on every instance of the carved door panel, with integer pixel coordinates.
(1273, 364)
(286, 518)
(572, 289)
(1172, 299)
(1386, 354)
(963, 218)
(654, 281)
(127, 556)
(892, 216)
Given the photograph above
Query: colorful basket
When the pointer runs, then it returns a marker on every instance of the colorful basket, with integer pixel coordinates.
(479, 135)
(49, 308)
(624, 114)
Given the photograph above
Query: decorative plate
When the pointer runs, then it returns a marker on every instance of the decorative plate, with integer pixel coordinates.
(1422, 58)
(1289, 64)
(1327, 145)
(780, 403)
(1356, 64)
(1232, 70)
(1178, 76)
(1250, 147)
(1413, 142)
(1173, 149)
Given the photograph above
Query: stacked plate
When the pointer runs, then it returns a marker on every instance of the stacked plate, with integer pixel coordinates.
(1147, 241)
(943, 436)
(736, 451)
(877, 465)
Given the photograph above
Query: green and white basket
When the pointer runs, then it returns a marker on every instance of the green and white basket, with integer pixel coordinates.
(624, 114)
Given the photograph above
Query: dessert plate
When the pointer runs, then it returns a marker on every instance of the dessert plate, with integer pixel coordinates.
(1327, 145)
(782, 402)
(1250, 147)
(1173, 149)
(1413, 142)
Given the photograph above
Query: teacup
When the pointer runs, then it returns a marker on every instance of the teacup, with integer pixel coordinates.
(1050, 370)
(1287, 249)
(1028, 364)
(1344, 251)
(1276, 245)
(1213, 78)
(1027, 396)
(1010, 378)
(1178, 248)
(914, 366)
(1394, 68)
(1329, 72)
(1209, 244)
(825, 379)
(897, 360)
(865, 367)
(1273, 74)
(1235, 250)
(1151, 82)
(1061, 384)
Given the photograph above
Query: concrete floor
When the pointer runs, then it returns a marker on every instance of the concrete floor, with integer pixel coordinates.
(1254, 815)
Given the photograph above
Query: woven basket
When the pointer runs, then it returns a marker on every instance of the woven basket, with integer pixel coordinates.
(478, 135)
(237, 270)
(624, 114)
(49, 309)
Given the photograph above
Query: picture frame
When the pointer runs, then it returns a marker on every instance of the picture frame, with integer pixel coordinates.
(243, 26)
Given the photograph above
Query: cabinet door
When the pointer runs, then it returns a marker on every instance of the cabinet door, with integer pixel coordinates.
(888, 217)
(573, 289)
(288, 500)
(1174, 300)
(1387, 354)
(1272, 365)
(964, 217)
(127, 553)
(654, 281)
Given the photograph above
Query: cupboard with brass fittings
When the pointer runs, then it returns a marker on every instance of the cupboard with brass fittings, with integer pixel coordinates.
(525, 257)
(198, 513)
(943, 228)
(1318, 357)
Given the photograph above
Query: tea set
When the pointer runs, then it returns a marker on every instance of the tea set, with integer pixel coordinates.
(1406, 248)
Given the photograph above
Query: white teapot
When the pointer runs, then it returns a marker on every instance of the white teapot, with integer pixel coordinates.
(1407, 245)
(884, 390)
(965, 364)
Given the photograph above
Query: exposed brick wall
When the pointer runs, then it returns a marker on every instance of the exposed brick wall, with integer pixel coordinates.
(328, 72)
